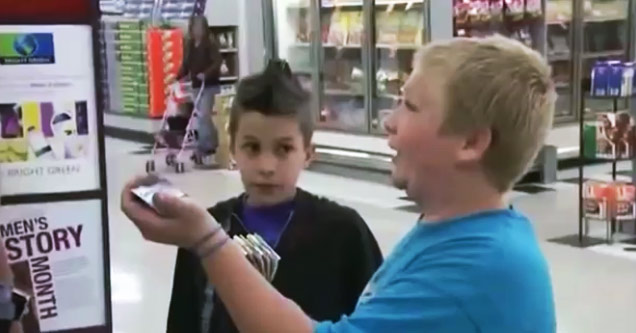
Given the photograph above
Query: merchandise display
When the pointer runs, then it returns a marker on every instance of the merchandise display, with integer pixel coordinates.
(517, 19)
(125, 52)
(613, 136)
(613, 78)
(609, 200)
(165, 53)
(138, 9)
(177, 9)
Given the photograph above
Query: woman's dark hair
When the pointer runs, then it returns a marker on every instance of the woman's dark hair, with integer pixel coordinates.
(273, 92)
(203, 21)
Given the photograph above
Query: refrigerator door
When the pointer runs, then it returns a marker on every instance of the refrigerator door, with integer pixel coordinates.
(293, 26)
(400, 29)
(559, 46)
(343, 62)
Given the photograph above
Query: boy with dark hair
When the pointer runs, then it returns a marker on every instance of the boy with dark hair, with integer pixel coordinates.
(327, 252)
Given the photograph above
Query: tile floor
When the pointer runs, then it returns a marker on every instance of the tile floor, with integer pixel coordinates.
(595, 288)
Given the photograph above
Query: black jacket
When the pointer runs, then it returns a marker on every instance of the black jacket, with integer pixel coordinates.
(206, 59)
(328, 255)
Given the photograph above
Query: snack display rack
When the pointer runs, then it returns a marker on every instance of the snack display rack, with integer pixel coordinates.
(611, 139)
(354, 55)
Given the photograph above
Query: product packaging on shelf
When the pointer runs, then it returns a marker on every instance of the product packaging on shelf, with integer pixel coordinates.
(515, 9)
(612, 136)
(604, 200)
(355, 29)
(627, 87)
(533, 8)
(596, 198)
(165, 53)
(600, 77)
(411, 27)
(625, 202)
(461, 12)
(613, 79)
(496, 10)
(339, 28)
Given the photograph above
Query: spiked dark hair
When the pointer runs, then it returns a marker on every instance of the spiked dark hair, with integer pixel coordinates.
(274, 92)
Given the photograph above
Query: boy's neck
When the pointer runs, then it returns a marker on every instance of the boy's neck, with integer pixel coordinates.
(464, 199)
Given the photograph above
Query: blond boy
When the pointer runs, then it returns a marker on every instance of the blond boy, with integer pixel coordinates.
(474, 115)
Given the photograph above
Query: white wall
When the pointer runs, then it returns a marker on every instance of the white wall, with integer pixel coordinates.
(222, 12)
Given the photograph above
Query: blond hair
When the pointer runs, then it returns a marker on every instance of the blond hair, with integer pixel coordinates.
(499, 84)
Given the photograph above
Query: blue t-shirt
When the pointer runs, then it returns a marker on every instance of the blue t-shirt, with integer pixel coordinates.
(268, 221)
(479, 273)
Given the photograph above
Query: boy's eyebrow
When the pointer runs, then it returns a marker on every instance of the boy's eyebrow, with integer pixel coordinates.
(249, 137)
(285, 138)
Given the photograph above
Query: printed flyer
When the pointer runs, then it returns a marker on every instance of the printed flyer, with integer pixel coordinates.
(48, 128)
(56, 258)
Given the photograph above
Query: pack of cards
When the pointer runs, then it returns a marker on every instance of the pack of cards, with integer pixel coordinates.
(147, 193)
(260, 254)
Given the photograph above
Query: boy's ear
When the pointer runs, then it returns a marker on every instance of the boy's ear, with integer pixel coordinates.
(310, 155)
(475, 145)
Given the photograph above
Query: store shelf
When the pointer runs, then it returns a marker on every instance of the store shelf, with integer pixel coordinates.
(598, 19)
(390, 96)
(603, 54)
(602, 19)
(409, 47)
(561, 56)
(230, 50)
(562, 85)
(587, 55)
(336, 92)
(588, 96)
(228, 78)
(358, 3)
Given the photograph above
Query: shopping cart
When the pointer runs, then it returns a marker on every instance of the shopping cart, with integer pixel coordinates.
(177, 134)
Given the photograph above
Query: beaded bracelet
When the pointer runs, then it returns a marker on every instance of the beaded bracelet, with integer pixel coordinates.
(196, 247)
(213, 248)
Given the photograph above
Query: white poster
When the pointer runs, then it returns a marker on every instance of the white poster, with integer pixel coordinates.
(55, 251)
(48, 127)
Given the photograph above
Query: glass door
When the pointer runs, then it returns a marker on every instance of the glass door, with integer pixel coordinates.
(605, 38)
(559, 52)
(400, 28)
(293, 41)
(518, 19)
(343, 85)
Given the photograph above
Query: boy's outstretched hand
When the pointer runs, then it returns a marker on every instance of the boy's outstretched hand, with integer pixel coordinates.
(177, 221)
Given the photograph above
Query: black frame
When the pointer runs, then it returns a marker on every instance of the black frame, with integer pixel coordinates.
(93, 20)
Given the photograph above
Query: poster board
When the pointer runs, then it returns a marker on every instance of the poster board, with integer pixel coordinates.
(58, 260)
(48, 139)
(54, 213)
